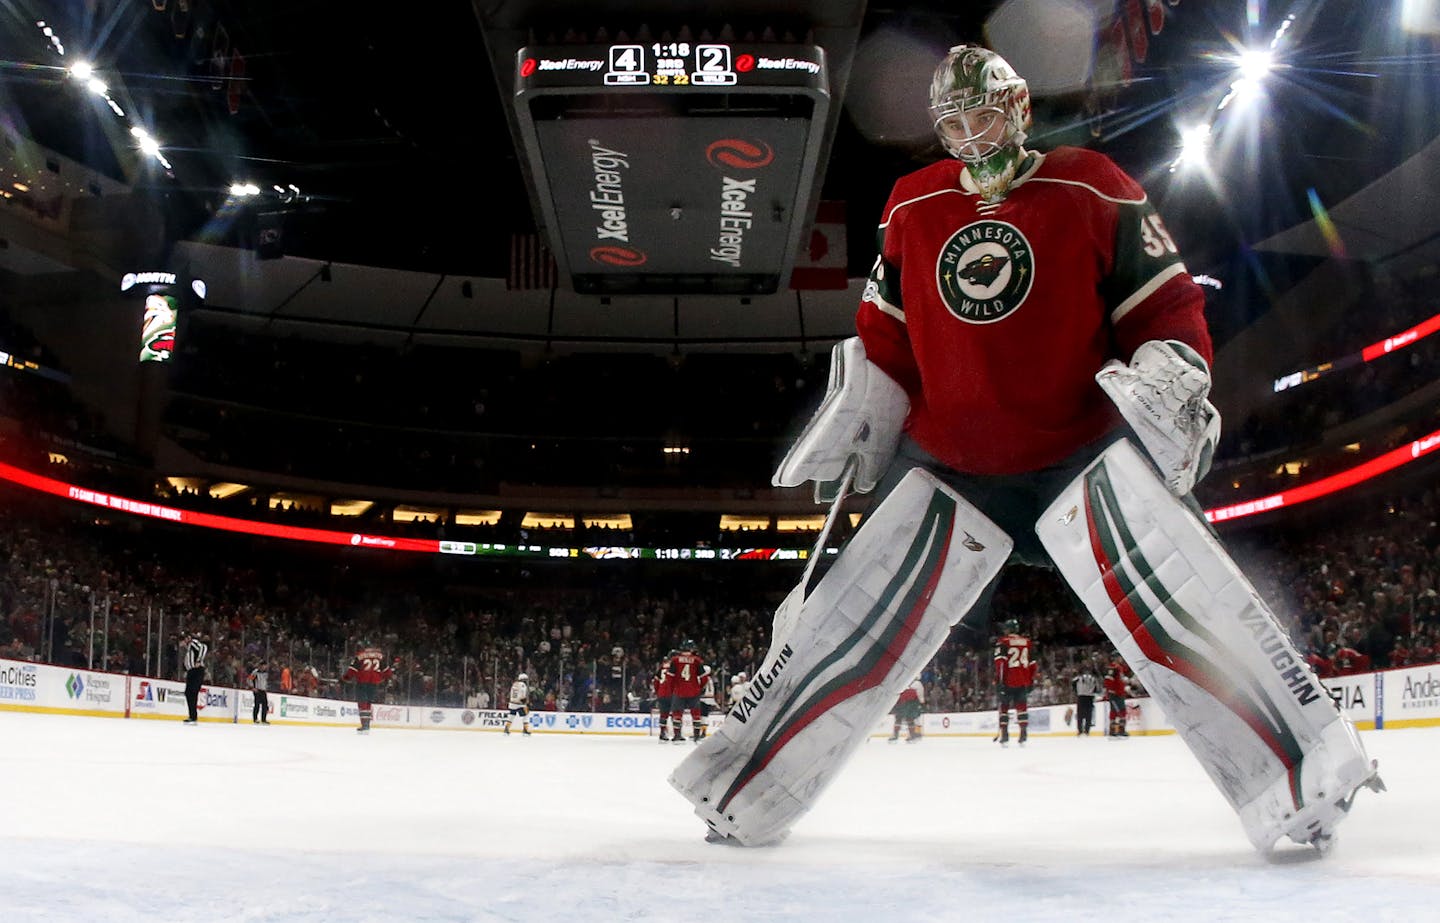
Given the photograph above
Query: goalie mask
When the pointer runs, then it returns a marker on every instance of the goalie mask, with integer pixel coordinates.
(981, 112)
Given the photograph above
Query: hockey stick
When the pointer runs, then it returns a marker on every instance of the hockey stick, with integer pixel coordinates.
(846, 480)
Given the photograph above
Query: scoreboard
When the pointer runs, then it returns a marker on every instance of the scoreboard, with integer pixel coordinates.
(671, 65)
(673, 167)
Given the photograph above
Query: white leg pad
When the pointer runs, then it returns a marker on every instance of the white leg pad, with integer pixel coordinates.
(1208, 649)
(840, 657)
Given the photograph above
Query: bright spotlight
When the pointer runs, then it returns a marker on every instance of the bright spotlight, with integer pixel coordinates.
(1256, 64)
(82, 70)
(97, 86)
(149, 146)
(139, 132)
(1194, 143)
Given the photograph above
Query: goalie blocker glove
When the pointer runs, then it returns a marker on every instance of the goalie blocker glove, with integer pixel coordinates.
(857, 424)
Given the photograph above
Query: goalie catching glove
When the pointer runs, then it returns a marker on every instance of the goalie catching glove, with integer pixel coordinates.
(1162, 395)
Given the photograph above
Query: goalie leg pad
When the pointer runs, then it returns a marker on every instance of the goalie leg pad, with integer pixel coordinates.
(1208, 649)
(840, 657)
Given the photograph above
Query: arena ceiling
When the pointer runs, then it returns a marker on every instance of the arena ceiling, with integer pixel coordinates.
(384, 135)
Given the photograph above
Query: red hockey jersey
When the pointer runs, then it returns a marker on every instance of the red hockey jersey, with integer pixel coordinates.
(663, 686)
(995, 318)
(369, 666)
(687, 671)
(1015, 664)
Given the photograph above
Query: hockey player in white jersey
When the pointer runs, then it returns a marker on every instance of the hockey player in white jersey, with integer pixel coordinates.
(738, 683)
(519, 704)
(1027, 317)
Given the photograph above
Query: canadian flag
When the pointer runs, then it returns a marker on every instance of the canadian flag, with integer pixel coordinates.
(821, 262)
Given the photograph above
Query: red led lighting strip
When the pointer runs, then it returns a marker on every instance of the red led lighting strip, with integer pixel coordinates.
(1335, 482)
(209, 520)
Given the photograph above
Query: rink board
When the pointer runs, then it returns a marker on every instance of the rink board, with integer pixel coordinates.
(1400, 698)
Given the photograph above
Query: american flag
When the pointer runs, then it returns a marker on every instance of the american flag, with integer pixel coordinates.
(531, 264)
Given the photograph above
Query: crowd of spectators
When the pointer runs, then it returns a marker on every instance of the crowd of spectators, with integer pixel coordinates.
(590, 633)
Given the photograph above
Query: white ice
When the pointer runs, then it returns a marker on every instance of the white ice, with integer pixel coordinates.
(114, 820)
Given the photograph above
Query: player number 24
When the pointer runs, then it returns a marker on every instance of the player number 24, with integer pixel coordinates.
(1157, 240)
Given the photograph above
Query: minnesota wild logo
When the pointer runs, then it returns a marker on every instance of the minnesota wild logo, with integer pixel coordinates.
(985, 271)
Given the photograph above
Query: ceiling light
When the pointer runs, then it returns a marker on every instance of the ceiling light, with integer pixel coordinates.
(97, 86)
(1194, 142)
(1255, 64)
(82, 70)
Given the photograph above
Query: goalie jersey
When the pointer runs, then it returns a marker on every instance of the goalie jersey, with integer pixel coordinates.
(1007, 313)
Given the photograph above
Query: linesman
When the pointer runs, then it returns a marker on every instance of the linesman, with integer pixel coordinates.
(1087, 686)
(193, 656)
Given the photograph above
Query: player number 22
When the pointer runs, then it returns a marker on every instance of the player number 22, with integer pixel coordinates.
(1157, 240)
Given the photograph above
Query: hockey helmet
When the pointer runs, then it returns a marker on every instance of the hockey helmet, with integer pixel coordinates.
(687, 645)
(523, 677)
(981, 112)
(1010, 626)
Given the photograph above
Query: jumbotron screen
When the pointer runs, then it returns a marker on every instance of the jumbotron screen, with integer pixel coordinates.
(165, 294)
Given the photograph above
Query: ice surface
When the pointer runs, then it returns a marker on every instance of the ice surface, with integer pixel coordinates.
(113, 820)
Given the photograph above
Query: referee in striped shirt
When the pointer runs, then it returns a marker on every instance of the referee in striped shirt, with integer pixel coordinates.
(194, 653)
(1087, 686)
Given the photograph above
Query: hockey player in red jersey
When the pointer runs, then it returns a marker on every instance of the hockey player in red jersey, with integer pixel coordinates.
(369, 671)
(907, 712)
(1015, 668)
(1117, 690)
(687, 674)
(664, 688)
(1029, 385)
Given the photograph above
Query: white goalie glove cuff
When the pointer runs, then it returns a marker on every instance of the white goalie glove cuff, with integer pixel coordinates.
(858, 423)
(1162, 395)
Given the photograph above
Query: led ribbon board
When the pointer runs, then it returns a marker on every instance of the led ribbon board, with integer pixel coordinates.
(676, 167)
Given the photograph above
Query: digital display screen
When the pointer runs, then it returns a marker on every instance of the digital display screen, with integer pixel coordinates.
(164, 295)
(157, 335)
(673, 167)
(676, 66)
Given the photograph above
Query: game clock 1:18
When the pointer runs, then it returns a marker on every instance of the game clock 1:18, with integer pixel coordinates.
(671, 49)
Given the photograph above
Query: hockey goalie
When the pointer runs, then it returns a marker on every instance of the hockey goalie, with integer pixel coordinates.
(1029, 385)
